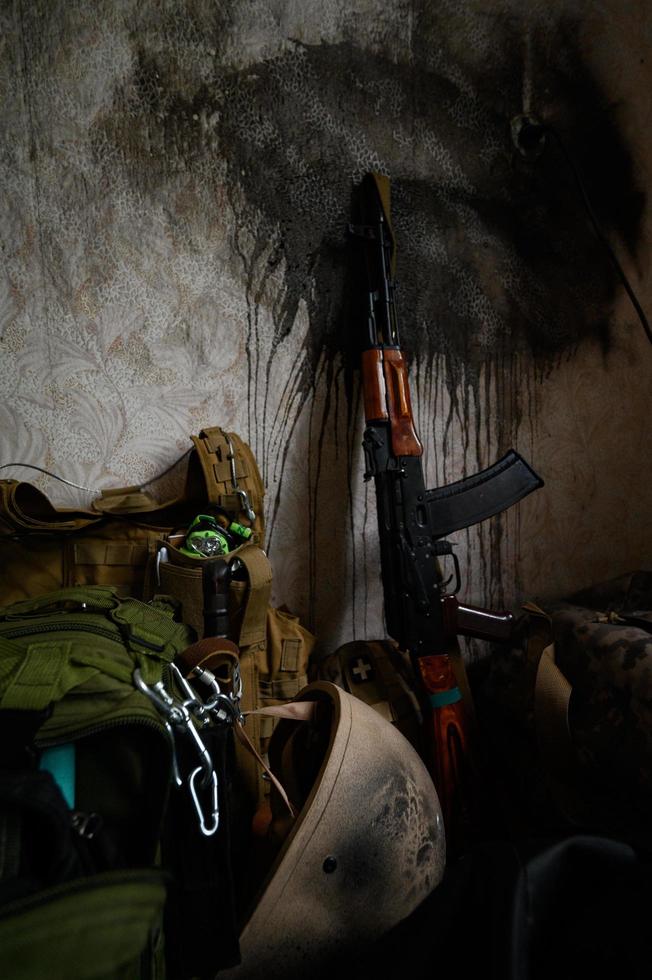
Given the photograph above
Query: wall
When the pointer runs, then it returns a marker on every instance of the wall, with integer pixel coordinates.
(176, 181)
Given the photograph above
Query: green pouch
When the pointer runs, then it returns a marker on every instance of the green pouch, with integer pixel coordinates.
(97, 927)
(80, 895)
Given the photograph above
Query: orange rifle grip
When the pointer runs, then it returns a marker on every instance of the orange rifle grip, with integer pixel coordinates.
(449, 741)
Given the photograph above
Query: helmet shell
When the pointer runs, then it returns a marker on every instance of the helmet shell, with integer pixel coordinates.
(367, 847)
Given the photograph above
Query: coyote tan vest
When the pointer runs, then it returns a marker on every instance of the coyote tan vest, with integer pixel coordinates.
(113, 542)
(117, 541)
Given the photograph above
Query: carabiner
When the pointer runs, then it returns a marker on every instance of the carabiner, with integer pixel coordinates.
(215, 808)
(160, 698)
(191, 702)
(223, 707)
(245, 503)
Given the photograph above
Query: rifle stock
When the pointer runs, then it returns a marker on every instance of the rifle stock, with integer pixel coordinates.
(422, 616)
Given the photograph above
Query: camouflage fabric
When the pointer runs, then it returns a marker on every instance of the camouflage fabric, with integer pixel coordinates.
(603, 647)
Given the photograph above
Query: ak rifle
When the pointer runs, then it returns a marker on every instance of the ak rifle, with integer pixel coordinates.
(423, 615)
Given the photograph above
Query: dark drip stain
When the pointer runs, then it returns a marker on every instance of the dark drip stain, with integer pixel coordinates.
(499, 271)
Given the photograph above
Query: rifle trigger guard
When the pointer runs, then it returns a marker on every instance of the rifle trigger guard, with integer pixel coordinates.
(442, 548)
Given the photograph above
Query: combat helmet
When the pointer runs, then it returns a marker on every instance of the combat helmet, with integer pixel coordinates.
(366, 847)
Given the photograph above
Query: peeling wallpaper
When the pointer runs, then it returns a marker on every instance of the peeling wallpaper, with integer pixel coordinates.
(176, 180)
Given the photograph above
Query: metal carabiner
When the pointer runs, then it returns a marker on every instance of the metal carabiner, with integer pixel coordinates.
(237, 683)
(192, 703)
(176, 774)
(245, 503)
(161, 556)
(160, 698)
(215, 807)
(176, 718)
(208, 678)
(165, 707)
(224, 707)
(204, 754)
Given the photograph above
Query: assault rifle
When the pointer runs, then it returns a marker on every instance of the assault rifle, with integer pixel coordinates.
(423, 615)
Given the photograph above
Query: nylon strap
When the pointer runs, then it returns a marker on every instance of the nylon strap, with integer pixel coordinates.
(93, 597)
(96, 551)
(259, 573)
(24, 507)
(295, 711)
(44, 673)
(39, 679)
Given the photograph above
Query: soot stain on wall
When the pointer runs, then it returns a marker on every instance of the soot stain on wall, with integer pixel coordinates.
(497, 262)
(495, 252)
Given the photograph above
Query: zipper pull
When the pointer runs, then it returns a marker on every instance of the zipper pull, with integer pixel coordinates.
(86, 825)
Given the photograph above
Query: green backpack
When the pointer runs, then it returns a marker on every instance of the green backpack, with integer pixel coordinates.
(105, 871)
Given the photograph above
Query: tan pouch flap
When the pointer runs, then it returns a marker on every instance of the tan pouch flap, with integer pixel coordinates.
(126, 500)
(253, 628)
(229, 474)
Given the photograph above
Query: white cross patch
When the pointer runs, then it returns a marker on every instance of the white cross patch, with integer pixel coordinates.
(361, 670)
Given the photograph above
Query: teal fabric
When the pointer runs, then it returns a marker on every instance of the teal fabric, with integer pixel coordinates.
(443, 698)
(59, 761)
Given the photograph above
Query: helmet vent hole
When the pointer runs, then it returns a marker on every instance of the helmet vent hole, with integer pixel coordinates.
(329, 865)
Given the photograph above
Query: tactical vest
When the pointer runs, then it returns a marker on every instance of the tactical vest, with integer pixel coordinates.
(113, 542)
(117, 542)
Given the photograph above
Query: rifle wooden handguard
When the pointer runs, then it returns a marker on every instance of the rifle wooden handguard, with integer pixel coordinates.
(387, 397)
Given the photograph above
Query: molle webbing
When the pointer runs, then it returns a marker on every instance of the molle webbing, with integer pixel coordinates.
(229, 470)
(181, 577)
(43, 548)
(372, 671)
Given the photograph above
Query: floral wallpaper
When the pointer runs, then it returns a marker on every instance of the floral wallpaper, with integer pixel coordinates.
(176, 179)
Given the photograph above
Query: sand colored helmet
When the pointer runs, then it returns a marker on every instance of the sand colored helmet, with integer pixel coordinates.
(366, 847)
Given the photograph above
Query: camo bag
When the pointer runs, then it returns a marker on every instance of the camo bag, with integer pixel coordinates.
(572, 709)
